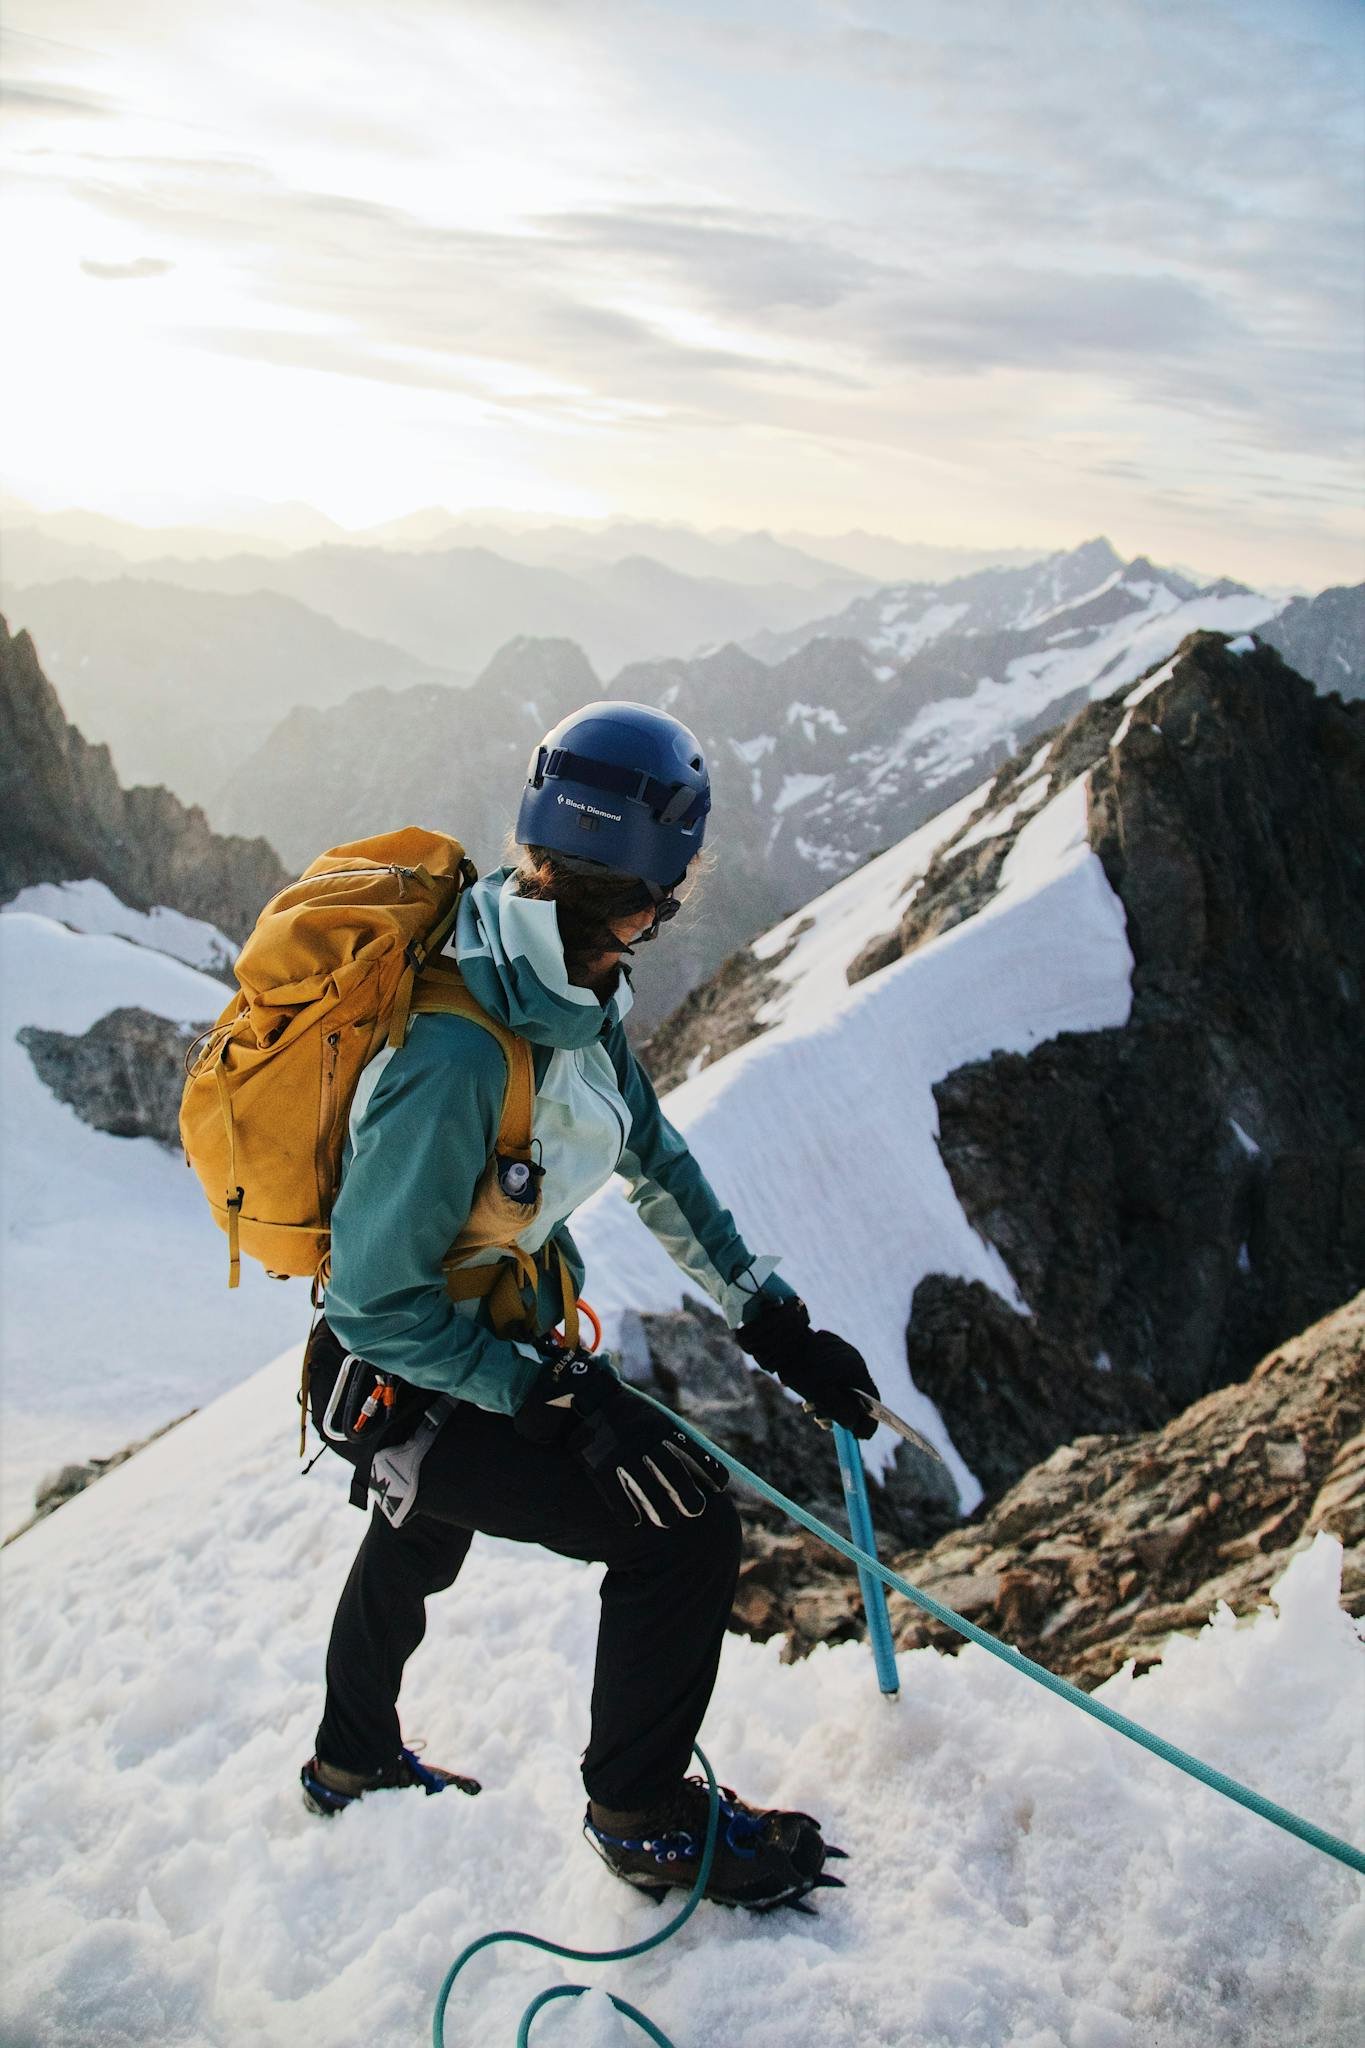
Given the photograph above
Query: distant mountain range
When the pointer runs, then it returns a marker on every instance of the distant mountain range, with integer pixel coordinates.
(836, 746)
(183, 685)
(1324, 637)
(452, 608)
(45, 545)
(828, 739)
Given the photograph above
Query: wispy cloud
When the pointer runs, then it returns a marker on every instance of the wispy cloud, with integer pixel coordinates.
(45, 101)
(975, 236)
(141, 266)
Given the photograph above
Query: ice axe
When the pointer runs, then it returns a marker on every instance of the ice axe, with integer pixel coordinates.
(890, 1418)
(854, 1478)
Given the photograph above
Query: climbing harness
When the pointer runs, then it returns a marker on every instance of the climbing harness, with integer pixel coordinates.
(872, 1571)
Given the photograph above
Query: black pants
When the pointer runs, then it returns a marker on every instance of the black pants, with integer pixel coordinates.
(666, 1598)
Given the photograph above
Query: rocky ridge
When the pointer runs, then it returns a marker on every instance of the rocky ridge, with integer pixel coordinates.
(1174, 1197)
(1102, 1550)
(1109, 1546)
(64, 816)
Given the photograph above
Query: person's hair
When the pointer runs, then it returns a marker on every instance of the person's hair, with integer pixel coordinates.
(585, 905)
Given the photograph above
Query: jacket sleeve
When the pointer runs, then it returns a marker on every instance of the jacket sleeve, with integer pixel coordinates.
(418, 1147)
(678, 1203)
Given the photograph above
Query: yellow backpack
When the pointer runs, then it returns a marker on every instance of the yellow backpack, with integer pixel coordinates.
(329, 976)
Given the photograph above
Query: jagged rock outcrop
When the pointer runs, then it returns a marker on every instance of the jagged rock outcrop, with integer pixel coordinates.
(718, 1017)
(65, 817)
(1177, 1196)
(125, 1075)
(1110, 1545)
(789, 1582)
(1324, 637)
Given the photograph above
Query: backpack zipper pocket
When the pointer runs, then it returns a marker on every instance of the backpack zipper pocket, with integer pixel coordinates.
(387, 867)
(331, 1055)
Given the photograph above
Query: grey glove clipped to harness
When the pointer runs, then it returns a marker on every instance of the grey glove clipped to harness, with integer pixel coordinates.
(644, 1467)
(823, 1369)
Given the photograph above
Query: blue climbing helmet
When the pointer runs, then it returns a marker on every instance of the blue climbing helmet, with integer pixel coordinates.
(621, 788)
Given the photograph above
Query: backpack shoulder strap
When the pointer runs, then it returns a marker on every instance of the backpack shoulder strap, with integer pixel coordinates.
(441, 991)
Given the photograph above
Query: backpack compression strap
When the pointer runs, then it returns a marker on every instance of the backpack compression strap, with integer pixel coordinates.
(440, 990)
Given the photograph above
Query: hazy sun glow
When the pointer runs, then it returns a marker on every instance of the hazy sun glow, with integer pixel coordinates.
(812, 264)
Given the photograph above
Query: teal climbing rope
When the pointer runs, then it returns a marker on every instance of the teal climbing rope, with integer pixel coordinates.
(1217, 1781)
(1205, 1774)
(584, 1955)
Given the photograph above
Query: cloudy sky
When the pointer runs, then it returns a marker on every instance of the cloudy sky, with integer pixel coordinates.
(1010, 272)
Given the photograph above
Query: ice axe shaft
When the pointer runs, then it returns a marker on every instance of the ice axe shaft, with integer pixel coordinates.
(854, 1477)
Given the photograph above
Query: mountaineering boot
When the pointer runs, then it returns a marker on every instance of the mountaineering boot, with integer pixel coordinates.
(762, 1860)
(326, 1789)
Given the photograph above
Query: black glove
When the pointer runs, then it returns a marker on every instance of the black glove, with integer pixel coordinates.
(817, 1365)
(643, 1465)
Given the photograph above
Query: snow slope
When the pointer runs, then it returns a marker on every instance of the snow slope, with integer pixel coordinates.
(1019, 1877)
(92, 907)
(116, 1312)
(821, 1135)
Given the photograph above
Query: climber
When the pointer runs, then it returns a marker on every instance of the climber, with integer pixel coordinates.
(526, 1435)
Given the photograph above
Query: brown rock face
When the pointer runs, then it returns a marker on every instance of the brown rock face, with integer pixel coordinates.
(1108, 1546)
(1177, 1196)
(65, 817)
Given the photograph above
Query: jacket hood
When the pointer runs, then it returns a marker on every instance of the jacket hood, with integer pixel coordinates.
(512, 958)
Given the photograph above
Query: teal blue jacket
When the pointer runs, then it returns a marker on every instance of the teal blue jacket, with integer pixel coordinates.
(424, 1125)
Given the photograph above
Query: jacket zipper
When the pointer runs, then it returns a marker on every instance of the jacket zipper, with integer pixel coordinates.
(611, 1102)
